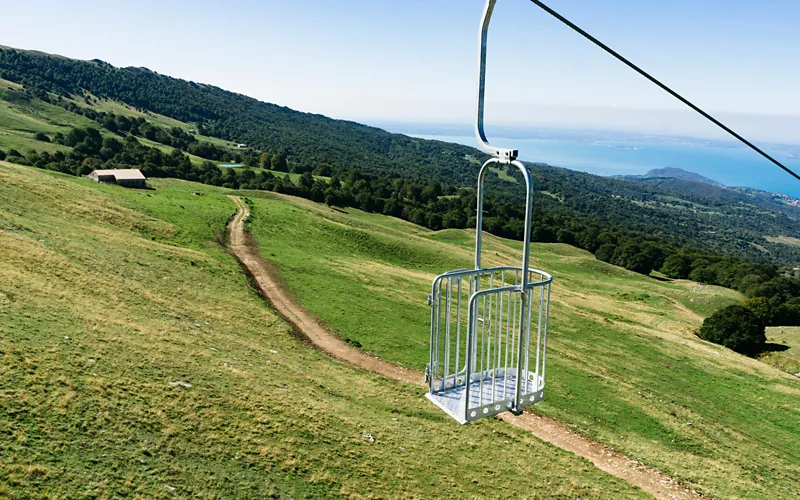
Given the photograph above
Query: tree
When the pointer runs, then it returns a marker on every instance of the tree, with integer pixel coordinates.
(782, 288)
(789, 313)
(454, 219)
(737, 328)
(606, 252)
(111, 147)
(40, 136)
(565, 236)
(307, 181)
(429, 193)
(703, 275)
(323, 170)
(2, 155)
(434, 221)
(265, 160)
(74, 137)
(677, 266)
(279, 164)
(110, 124)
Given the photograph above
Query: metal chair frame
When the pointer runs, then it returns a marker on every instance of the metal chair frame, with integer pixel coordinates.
(488, 361)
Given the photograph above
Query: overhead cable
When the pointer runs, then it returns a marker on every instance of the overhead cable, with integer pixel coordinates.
(674, 94)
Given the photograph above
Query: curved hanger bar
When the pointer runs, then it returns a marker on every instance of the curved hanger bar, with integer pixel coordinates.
(504, 155)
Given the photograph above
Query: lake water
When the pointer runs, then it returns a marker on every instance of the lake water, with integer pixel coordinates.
(731, 166)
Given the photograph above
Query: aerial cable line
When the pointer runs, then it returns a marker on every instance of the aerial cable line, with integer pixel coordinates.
(674, 94)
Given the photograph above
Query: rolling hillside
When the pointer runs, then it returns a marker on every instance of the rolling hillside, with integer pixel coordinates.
(136, 361)
(624, 366)
(739, 223)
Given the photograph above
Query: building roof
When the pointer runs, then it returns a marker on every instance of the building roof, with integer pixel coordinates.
(123, 174)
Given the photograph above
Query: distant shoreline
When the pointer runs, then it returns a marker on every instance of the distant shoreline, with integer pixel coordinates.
(625, 154)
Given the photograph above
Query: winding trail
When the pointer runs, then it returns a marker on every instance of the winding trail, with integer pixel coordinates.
(610, 461)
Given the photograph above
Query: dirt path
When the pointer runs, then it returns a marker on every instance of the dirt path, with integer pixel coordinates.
(544, 428)
(299, 317)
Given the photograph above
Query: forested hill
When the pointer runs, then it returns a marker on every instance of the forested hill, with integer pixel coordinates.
(672, 173)
(680, 212)
(307, 139)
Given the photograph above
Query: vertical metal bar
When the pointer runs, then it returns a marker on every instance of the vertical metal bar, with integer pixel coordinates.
(520, 353)
(470, 333)
(498, 336)
(531, 295)
(479, 219)
(509, 322)
(458, 335)
(482, 349)
(473, 320)
(490, 328)
(513, 333)
(547, 321)
(439, 329)
(504, 320)
(539, 337)
(448, 321)
(433, 328)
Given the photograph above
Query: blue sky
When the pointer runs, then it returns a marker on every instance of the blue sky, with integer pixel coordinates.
(414, 60)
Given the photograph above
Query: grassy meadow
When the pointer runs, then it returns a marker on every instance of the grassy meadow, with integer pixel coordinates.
(785, 344)
(624, 366)
(136, 361)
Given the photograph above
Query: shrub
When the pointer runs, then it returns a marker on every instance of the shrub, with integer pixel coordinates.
(40, 136)
(737, 328)
(2, 155)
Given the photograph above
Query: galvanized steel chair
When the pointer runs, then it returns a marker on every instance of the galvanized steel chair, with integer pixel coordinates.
(488, 343)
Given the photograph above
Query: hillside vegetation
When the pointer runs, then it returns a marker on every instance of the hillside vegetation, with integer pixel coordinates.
(624, 365)
(580, 206)
(136, 361)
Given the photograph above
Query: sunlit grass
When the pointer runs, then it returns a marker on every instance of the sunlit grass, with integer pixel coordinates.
(109, 296)
(624, 365)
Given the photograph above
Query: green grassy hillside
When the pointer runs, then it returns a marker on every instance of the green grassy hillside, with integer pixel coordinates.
(624, 366)
(709, 218)
(785, 342)
(135, 361)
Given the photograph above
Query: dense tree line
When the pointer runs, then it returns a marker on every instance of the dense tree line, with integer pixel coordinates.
(680, 213)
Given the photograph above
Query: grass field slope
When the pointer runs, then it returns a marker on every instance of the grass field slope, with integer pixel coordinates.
(624, 365)
(136, 361)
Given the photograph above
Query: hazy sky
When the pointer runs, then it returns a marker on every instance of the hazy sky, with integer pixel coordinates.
(415, 60)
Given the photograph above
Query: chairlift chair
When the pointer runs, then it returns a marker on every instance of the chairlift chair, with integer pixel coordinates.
(488, 344)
